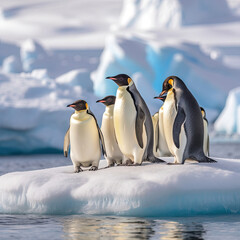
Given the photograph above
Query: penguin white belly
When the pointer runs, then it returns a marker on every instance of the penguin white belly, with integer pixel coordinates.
(124, 124)
(163, 147)
(84, 140)
(112, 148)
(205, 138)
(169, 115)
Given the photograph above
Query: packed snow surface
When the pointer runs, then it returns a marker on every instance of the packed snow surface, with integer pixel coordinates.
(147, 190)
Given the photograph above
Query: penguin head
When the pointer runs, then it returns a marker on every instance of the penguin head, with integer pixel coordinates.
(79, 105)
(168, 85)
(121, 79)
(108, 100)
(203, 112)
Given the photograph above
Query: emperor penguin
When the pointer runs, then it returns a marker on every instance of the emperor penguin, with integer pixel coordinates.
(182, 122)
(84, 136)
(132, 123)
(206, 135)
(114, 154)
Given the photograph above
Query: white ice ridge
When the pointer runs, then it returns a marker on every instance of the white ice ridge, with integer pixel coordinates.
(148, 190)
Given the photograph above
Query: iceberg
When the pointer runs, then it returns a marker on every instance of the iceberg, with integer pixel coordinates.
(12, 64)
(228, 121)
(155, 14)
(33, 55)
(150, 190)
(34, 117)
(155, 61)
(77, 77)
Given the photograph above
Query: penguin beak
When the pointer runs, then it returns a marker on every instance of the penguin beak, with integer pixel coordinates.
(71, 105)
(101, 101)
(112, 78)
(162, 96)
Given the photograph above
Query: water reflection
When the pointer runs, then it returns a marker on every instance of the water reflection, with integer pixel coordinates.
(116, 228)
(120, 228)
(183, 231)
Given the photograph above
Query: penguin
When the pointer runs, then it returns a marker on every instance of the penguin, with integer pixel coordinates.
(114, 154)
(182, 122)
(84, 136)
(161, 141)
(132, 123)
(206, 135)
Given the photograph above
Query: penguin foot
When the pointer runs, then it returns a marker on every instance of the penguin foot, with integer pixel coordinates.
(134, 164)
(207, 160)
(155, 160)
(174, 163)
(77, 170)
(158, 160)
(128, 162)
(93, 168)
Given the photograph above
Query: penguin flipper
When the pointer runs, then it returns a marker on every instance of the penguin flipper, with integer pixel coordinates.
(177, 125)
(157, 135)
(139, 125)
(66, 143)
(208, 152)
(138, 101)
(99, 133)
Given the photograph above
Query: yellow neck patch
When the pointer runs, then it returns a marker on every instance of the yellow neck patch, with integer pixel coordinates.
(129, 80)
(170, 81)
(86, 106)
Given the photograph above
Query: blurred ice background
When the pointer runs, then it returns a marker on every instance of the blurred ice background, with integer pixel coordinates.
(55, 52)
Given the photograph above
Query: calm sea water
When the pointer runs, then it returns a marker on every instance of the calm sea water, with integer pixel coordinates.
(112, 227)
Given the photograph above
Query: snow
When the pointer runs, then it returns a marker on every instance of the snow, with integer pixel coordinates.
(148, 190)
(229, 120)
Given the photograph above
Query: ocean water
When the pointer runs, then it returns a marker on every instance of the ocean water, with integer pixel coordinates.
(112, 227)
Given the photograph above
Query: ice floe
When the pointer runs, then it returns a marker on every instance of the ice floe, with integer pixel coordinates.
(148, 190)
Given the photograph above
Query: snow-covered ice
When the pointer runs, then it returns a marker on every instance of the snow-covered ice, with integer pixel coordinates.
(147, 190)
